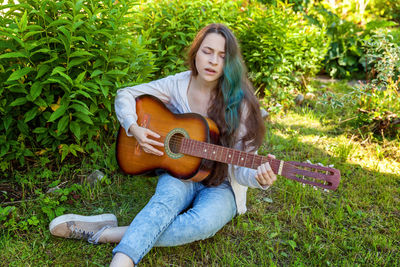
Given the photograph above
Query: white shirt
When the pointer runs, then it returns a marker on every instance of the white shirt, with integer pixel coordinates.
(172, 90)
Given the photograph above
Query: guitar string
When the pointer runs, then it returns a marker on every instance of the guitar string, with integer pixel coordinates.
(177, 141)
(316, 181)
(250, 158)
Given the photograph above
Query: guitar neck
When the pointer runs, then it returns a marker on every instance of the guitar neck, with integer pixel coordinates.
(227, 155)
(324, 177)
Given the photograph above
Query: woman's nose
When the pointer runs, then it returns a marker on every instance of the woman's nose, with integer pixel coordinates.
(213, 59)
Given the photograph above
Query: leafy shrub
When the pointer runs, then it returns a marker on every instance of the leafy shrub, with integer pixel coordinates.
(61, 62)
(347, 27)
(389, 9)
(172, 25)
(345, 51)
(296, 5)
(60, 65)
(278, 46)
(379, 105)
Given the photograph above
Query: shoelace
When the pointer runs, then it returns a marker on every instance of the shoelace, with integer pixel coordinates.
(79, 233)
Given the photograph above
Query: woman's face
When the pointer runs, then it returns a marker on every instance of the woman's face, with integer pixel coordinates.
(210, 57)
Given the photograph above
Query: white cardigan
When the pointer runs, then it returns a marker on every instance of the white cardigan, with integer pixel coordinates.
(172, 90)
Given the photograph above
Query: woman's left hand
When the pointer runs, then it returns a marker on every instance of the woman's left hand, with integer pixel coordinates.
(265, 176)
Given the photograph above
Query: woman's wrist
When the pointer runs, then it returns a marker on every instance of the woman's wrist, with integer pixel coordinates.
(132, 129)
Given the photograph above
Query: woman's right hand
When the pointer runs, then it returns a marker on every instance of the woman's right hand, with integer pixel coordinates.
(147, 144)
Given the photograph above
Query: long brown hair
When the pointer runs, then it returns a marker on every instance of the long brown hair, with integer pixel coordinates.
(233, 102)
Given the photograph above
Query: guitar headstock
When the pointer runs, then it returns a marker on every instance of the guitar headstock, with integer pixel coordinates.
(313, 174)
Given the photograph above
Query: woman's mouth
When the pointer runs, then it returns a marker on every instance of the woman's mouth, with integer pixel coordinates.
(210, 71)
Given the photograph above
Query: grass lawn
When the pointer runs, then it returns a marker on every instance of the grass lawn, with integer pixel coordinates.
(290, 224)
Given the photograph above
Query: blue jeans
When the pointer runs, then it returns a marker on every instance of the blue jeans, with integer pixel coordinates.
(162, 223)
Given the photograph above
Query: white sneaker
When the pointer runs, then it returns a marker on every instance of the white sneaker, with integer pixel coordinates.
(82, 227)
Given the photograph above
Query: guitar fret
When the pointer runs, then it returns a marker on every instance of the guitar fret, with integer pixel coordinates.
(227, 158)
(235, 157)
(187, 145)
(190, 146)
(247, 160)
(231, 156)
(241, 158)
(212, 152)
(215, 152)
(201, 148)
(261, 160)
(182, 147)
(195, 149)
(208, 150)
(220, 154)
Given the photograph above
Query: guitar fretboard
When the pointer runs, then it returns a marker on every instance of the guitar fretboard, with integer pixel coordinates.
(240, 158)
(221, 154)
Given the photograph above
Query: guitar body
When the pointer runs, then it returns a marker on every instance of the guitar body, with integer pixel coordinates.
(154, 115)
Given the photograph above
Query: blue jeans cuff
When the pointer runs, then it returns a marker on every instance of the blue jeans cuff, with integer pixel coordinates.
(128, 251)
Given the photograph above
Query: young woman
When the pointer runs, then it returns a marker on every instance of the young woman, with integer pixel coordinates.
(180, 212)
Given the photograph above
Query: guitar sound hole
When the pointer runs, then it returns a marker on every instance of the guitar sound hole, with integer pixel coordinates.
(175, 142)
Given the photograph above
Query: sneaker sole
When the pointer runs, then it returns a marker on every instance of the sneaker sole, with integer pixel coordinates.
(89, 219)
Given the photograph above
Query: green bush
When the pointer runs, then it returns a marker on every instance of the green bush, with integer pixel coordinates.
(378, 101)
(296, 5)
(62, 61)
(389, 9)
(282, 50)
(278, 46)
(60, 65)
(172, 25)
(346, 39)
(347, 29)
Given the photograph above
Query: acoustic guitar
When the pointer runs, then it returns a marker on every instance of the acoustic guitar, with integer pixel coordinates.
(190, 140)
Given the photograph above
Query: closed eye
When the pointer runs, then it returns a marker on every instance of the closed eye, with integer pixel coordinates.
(209, 50)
